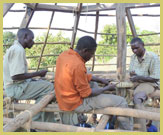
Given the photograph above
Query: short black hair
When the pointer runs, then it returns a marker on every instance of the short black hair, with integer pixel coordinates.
(86, 42)
(21, 32)
(138, 40)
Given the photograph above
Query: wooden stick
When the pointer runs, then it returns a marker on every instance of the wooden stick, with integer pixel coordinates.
(95, 36)
(46, 38)
(23, 117)
(13, 28)
(76, 22)
(131, 22)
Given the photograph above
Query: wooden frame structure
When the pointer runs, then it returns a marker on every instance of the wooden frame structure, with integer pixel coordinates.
(122, 10)
(80, 10)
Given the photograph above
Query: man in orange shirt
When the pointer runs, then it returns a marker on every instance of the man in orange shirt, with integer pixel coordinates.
(72, 87)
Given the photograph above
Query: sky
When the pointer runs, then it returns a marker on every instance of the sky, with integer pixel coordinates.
(66, 20)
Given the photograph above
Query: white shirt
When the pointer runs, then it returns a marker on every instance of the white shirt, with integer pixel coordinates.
(14, 63)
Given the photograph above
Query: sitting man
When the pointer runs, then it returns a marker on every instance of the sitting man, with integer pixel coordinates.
(145, 73)
(94, 121)
(72, 87)
(151, 127)
(82, 121)
(18, 83)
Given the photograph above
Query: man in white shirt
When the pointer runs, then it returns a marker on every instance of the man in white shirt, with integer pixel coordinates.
(18, 83)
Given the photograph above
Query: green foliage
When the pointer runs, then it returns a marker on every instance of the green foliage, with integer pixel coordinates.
(8, 39)
(49, 50)
(151, 39)
(112, 40)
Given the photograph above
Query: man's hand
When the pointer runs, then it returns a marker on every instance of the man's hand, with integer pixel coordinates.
(110, 87)
(135, 78)
(42, 73)
(132, 73)
(106, 81)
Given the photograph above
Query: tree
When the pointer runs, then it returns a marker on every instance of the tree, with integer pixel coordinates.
(151, 39)
(8, 39)
(112, 41)
(49, 49)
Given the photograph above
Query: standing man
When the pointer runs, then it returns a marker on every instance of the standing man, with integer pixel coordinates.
(144, 73)
(72, 87)
(18, 83)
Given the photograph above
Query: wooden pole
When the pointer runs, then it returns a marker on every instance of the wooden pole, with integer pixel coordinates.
(103, 121)
(25, 116)
(152, 114)
(55, 127)
(76, 22)
(46, 38)
(6, 8)
(121, 32)
(131, 22)
(95, 35)
(128, 112)
(28, 16)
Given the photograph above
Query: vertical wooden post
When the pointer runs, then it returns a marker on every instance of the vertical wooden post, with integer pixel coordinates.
(121, 46)
(6, 8)
(131, 22)
(46, 38)
(28, 16)
(95, 35)
(76, 22)
(103, 121)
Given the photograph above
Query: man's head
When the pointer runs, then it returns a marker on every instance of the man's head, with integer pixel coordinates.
(82, 118)
(137, 46)
(25, 37)
(149, 123)
(94, 117)
(86, 47)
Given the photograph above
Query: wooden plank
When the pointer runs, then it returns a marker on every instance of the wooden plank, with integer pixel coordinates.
(95, 35)
(23, 117)
(46, 7)
(131, 22)
(103, 121)
(76, 22)
(28, 16)
(121, 32)
(56, 127)
(6, 8)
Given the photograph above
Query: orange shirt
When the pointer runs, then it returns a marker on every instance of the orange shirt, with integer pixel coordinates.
(71, 80)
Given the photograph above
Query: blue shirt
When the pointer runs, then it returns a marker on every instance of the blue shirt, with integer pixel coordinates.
(152, 128)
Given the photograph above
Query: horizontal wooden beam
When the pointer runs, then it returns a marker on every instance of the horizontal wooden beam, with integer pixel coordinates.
(113, 15)
(56, 127)
(104, 7)
(66, 29)
(48, 7)
(109, 110)
(104, 15)
(89, 8)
